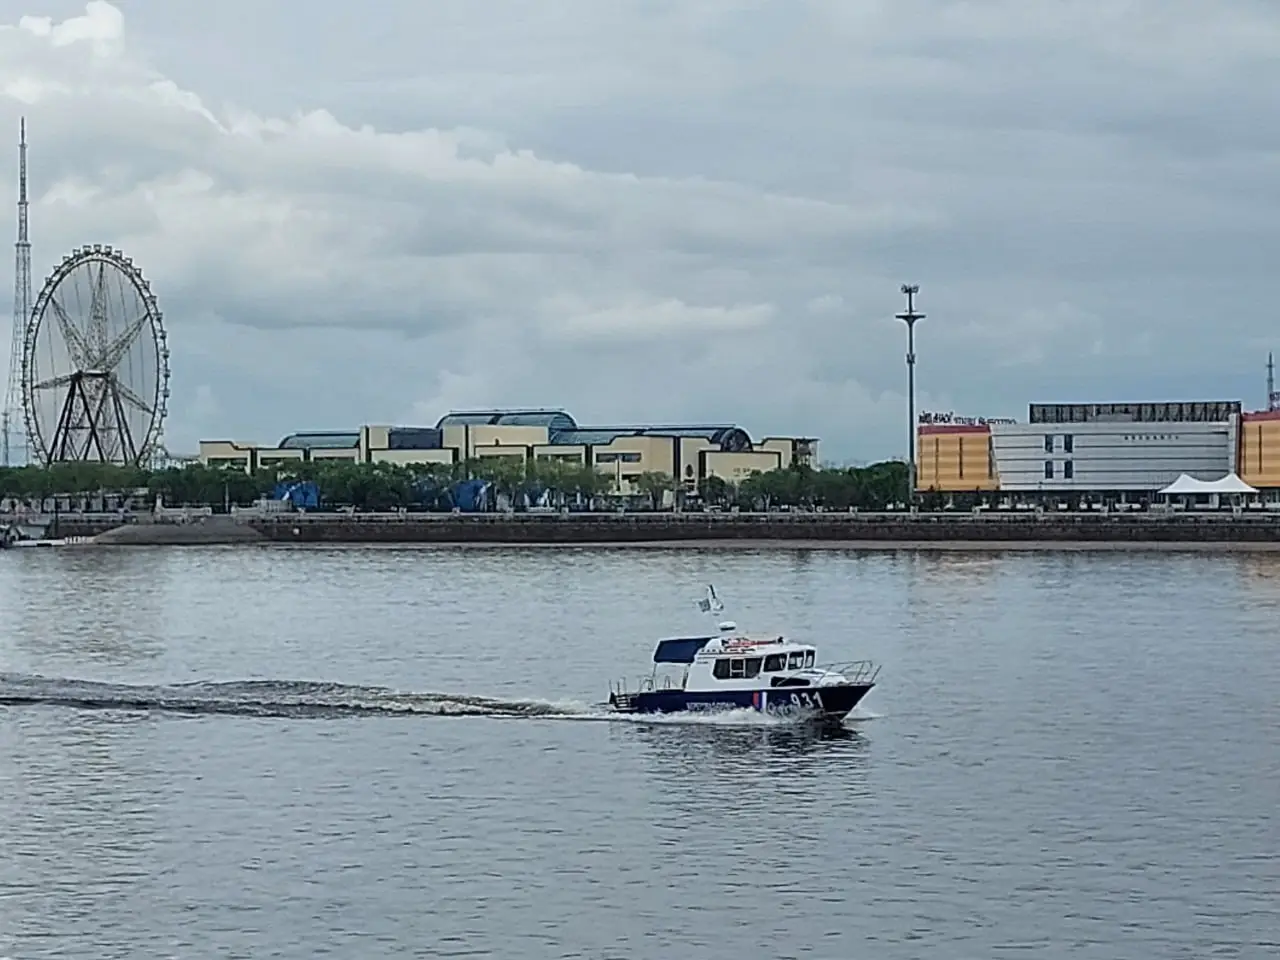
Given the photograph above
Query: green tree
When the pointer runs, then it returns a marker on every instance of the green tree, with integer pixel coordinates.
(715, 491)
(874, 487)
(387, 486)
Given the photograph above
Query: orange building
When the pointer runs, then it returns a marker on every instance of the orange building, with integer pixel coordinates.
(1259, 463)
(955, 458)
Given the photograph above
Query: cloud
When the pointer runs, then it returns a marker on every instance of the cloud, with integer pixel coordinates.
(694, 211)
(664, 321)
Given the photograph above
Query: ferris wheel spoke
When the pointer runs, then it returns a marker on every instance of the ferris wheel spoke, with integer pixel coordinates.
(76, 344)
(98, 309)
(53, 382)
(116, 350)
(129, 397)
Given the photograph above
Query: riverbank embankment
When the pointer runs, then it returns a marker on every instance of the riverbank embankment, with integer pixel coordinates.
(1258, 531)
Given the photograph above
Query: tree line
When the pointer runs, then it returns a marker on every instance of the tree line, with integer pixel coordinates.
(386, 486)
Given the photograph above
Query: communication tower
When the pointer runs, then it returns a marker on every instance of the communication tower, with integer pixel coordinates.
(11, 416)
(1273, 398)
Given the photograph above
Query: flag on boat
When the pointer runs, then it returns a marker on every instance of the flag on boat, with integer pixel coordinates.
(711, 602)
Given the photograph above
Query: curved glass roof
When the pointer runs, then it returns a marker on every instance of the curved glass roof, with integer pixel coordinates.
(551, 419)
(725, 436)
(320, 440)
(589, 436)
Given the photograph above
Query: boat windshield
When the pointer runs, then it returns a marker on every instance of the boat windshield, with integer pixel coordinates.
(800, 659)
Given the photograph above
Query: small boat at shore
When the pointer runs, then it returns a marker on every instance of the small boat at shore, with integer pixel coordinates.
(12, 537)
(732, 670)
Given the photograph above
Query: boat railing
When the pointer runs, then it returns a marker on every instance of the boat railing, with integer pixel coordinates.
(854, 671)
(646, 684)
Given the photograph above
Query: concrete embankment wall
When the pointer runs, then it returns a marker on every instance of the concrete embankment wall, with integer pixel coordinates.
(143, 530)
(74, 526)
(207, 532)
(1117, 529)
(637, 528)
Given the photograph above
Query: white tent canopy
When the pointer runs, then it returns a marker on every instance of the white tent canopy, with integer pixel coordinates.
(1187, 485)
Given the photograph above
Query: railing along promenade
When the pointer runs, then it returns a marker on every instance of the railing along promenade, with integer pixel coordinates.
(1195, 526)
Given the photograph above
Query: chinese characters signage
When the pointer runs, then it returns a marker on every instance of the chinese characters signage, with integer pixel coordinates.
(952, 419)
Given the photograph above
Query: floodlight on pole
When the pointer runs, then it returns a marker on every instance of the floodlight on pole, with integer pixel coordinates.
(909, 317)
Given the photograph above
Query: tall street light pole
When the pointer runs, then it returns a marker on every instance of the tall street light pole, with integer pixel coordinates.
(909, 318)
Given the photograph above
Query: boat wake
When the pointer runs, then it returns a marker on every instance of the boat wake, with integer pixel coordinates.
(263, 698)
(292, 699)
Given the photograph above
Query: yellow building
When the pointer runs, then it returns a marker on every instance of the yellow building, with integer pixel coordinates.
(955, 458)
(692, 453)
(1259, 457)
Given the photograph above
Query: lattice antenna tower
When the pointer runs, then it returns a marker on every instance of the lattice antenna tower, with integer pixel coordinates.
(1273, 399)
(21, 306)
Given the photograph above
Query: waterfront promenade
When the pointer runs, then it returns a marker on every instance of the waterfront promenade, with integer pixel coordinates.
(1249, 530)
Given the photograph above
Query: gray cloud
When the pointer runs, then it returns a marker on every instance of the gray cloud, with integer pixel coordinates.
(683, 211)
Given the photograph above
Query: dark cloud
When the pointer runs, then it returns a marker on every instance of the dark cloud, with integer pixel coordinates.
(684, 211)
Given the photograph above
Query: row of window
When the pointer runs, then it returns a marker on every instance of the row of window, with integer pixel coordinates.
(1068, 442)
(1194, 412)
(1068, 469)
(617, 458)
(744, 668)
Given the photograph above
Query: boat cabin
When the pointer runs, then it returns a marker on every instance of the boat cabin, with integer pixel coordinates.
(731, 661)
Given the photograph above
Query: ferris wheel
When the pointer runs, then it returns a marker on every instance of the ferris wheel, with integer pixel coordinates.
(95, 363)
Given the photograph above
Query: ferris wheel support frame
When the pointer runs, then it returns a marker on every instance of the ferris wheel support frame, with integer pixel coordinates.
(89, 420)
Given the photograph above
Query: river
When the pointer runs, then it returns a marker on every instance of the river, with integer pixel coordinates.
(398, 752)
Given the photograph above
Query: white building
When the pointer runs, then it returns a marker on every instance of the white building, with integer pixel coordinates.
(1130, 456)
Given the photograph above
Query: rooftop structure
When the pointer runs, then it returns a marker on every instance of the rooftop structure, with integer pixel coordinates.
(532, 417)
(321, 440)
(1195, 411)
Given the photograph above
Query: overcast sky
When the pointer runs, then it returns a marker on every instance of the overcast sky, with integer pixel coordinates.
(664, 210)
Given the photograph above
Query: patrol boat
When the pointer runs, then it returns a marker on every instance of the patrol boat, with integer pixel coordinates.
(732, 670)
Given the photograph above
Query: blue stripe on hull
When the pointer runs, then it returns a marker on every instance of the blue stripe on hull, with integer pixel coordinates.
(834, 701)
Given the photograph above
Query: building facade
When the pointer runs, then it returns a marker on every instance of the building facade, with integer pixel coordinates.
(955, 458)
(1108, 457)
(1260, 449)
(690, 452)
(1113, 448)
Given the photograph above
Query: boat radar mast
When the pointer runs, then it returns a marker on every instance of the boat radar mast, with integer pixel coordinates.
(711, 604)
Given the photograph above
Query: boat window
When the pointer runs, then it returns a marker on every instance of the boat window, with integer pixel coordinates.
(737, 668)
(797, 660)
(808, 658)
(775, 662)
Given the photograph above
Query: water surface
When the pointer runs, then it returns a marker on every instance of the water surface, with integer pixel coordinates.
(1069, 755)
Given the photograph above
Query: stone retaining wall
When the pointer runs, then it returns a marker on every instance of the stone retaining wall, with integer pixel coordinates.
(635, 528)
(656, 528)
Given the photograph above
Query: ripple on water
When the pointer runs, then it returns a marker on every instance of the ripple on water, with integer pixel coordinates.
(1068, 756)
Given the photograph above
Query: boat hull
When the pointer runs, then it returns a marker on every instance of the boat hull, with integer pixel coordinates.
(832, 702)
